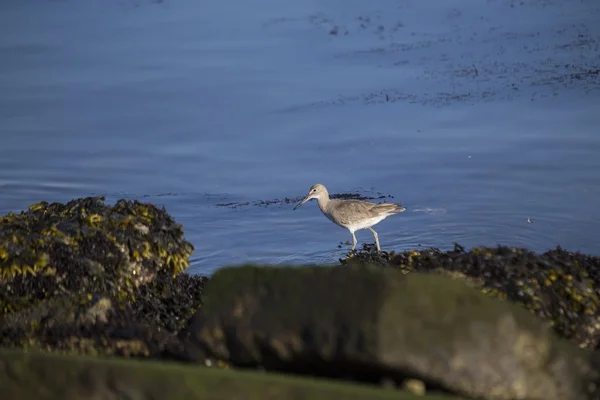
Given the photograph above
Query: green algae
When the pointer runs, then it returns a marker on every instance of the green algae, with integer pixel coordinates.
(40, 376)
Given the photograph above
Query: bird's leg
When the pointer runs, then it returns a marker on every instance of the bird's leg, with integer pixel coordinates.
(353, 241)
(376, 238)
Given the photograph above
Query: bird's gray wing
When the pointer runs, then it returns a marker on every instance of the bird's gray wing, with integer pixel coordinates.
(348, 211)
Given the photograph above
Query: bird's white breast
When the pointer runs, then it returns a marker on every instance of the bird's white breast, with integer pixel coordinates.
(359, 224)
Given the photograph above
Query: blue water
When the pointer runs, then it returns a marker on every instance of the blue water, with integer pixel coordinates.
(477, 116)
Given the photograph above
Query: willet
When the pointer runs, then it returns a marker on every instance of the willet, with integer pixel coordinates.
(351, 214)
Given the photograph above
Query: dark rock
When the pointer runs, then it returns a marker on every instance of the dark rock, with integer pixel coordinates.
(146, 327)
(370, 324)
(558, 286)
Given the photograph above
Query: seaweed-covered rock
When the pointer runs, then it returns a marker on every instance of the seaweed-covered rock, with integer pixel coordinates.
(87, 278)
(86, 247)
(559, 286)
(370, 324)
(145, 327)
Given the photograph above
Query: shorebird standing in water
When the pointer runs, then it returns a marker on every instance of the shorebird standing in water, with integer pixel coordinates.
(351, 214)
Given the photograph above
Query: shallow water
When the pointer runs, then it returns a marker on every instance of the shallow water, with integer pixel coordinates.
(477, 116)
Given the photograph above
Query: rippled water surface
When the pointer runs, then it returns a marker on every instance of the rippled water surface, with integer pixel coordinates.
(477, 116)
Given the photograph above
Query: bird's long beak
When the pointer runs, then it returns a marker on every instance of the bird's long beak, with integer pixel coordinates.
(307, 198)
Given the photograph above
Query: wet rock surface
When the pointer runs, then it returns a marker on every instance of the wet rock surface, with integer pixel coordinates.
(369, 324)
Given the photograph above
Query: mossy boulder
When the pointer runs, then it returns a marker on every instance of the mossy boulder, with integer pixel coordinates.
(559, 286)
(37, 376)
(369, 323)
(88, 278)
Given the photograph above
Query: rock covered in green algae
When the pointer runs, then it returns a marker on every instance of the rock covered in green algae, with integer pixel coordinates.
(370, 323)
(87, 278)
(559, 286)
(26, 376)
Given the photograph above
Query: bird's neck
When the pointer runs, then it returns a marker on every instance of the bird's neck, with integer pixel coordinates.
(323, 201)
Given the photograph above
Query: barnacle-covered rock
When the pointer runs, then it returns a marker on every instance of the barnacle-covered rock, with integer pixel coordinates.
(87, 278)
(559, 286)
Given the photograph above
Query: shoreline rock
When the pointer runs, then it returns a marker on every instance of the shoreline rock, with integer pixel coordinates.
(367, 324)
(87, 278)
(84, 278)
